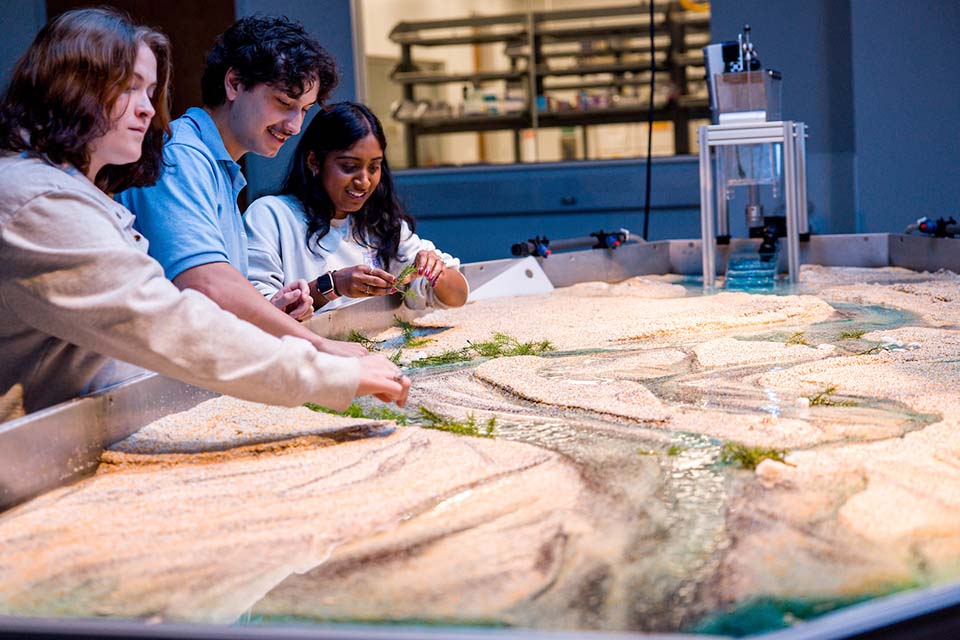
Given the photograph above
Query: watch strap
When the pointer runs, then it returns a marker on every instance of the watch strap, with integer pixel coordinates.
(333, 281)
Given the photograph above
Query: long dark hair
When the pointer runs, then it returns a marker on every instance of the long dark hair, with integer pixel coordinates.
(378, 223)
(63, 89)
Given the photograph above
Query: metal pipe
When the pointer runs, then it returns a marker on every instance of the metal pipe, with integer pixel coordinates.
(804, 226)
(707, 234)
(790, 171)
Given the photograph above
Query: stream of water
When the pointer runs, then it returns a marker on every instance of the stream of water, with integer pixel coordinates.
(671, 486)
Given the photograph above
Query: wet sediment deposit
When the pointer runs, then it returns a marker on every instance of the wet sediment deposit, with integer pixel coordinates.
(607, 499)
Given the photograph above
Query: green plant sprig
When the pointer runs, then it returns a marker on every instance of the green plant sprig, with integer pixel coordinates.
(498, 346)
(749, 457)
(358, 337)
(798, 338)
(357, 411)
(409, 339)
(469, 427)
(425, 418)
(823, 399)
(854, 334)
(447, 357)
(503, 345)
(404, 289)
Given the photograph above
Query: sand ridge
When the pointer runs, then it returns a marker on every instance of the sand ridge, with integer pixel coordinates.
(577, 517)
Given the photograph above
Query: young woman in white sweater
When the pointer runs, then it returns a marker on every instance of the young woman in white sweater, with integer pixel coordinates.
(338, 224)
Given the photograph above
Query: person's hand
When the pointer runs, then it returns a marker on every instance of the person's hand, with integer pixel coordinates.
(294, 300)
(383, 379)
(364, 281)
(429, 265)
(340, 348)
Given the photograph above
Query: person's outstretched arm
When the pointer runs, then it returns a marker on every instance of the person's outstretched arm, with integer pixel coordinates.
(70, 272)
(183, 215)
(226, 286)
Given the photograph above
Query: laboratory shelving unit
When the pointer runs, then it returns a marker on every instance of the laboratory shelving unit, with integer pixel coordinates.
(549, 52)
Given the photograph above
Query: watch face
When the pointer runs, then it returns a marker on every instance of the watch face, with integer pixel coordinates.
(325, 284)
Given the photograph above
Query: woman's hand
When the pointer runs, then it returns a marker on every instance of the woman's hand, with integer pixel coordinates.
(429, 265)
(341, 348)
(383, 379)
(295, 300)
(363, 281)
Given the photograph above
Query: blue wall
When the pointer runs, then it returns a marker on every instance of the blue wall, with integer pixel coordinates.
(907, 107)
(478, 213)
(21, 21)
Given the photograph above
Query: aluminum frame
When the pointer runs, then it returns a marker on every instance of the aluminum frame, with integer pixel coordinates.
(714, 215)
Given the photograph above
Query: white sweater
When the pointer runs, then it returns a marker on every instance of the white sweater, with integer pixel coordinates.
(277, 239)
(78, 290)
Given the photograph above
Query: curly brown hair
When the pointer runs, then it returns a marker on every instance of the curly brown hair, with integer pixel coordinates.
(272, 50)
(63, 90)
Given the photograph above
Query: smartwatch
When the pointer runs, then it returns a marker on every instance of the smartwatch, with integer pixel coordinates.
(327, 286)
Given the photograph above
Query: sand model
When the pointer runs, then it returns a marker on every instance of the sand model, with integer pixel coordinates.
(619, 457)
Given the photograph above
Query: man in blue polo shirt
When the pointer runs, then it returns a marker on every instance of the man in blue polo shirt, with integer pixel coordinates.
(261, 77)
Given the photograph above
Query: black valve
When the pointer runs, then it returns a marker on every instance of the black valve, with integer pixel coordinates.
(535, 246)
(542, 247)
(768, 246)
(940, 228)
(610, 240)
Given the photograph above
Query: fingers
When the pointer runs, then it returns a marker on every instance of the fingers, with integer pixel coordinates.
(380, 274)
(366, 281)
(437, 271)
(301, 310)
(399, 396)
(283, 299)
(377, 282)
(383, 379)
(344, 349)
(354, 350)
(294, 299)
(430, 266)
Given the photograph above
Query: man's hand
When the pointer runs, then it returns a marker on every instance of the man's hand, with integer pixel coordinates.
(294, 300)
(383, 379)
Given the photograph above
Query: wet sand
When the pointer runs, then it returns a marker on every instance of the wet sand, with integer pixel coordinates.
(602, 502)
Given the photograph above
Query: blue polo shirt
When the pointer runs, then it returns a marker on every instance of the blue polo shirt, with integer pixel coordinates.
(190, 217)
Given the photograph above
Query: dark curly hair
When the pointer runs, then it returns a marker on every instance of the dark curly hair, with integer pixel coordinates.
(63, 90)
(378, 223)
(268, 50)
